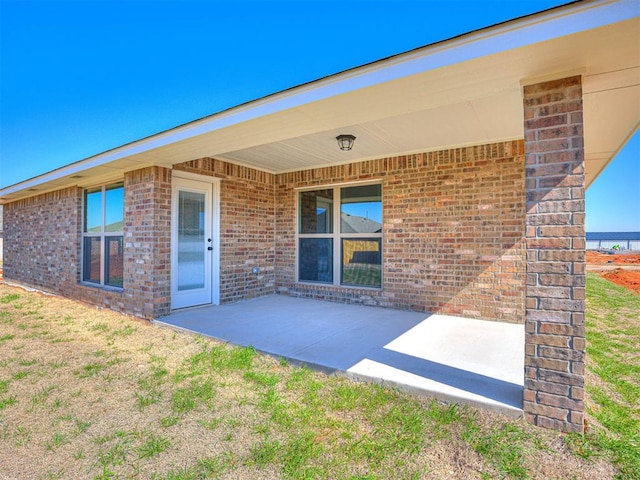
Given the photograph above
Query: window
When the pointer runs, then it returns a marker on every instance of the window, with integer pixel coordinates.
(340, 236)
(102, 260)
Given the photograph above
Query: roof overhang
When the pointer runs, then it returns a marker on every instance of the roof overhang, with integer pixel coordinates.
(459, 92)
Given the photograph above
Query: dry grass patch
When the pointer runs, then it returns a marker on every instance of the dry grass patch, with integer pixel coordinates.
(89, 393)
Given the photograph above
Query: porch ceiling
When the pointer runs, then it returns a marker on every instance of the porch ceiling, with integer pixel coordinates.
(470, 103)
(464, 91)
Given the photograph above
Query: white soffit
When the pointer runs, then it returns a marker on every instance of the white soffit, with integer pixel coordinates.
(447, 125)
(612, 115)
(459, 92)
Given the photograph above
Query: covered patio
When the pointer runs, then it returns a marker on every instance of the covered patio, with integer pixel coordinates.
(452, 358)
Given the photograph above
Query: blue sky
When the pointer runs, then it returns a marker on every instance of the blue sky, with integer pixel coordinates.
(81, 77)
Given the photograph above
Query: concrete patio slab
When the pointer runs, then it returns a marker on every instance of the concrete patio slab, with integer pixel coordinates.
(451, 358)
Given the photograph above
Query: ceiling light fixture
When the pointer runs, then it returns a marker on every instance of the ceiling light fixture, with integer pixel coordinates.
(345, 142)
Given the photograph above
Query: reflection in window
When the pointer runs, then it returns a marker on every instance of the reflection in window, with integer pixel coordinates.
(114, 264)
(316, 211)
(316, 260)
(362, 262)
(191, 244)
(91, 264)
(114, 208)
(361, 209)
(103, 259)
(93, 210)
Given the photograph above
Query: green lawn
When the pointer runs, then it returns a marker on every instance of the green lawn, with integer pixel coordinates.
(88, 393)
(362, 274)
(613, 381)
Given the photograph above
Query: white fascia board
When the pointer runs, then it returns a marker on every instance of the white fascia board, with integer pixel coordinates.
(73, 169)
(76, 168)
(528, 31)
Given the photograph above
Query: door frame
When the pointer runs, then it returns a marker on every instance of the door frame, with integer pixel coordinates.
(215, 230)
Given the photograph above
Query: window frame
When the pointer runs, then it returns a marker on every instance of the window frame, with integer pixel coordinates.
(102, 234)
(337, 236)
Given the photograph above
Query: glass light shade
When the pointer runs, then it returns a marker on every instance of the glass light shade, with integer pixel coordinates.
(345, 142)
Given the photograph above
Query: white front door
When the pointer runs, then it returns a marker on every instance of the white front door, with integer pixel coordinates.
(192, 243)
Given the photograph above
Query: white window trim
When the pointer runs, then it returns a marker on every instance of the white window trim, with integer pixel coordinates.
(102, 235)
(336, 235)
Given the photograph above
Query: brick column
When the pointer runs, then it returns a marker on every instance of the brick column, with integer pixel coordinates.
(555, 242)
(147, 242)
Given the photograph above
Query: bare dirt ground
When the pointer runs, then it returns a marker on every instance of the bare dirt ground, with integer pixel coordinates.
(621, 258)
(622, 268)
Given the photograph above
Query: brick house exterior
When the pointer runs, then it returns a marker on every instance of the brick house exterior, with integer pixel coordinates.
(488, 229)
(476, 269)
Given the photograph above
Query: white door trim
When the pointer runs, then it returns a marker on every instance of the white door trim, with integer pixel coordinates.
(214, 229)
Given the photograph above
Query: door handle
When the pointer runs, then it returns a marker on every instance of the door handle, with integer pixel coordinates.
(209, 248)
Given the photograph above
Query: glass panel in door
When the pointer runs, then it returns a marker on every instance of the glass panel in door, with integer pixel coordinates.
(191, 240)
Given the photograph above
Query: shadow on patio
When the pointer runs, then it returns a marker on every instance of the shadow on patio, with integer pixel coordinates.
(452, 358)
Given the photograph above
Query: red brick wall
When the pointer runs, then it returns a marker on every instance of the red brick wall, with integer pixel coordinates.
(555, 240)
(453, 231)
(147, 242)
(44, 244)
(247, 227)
